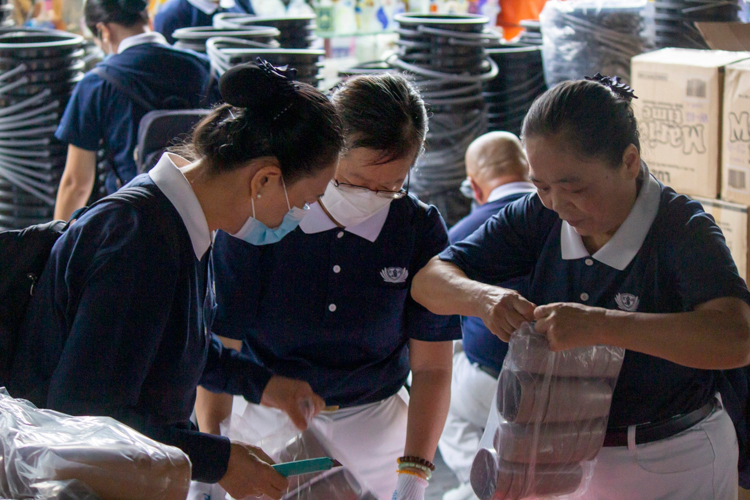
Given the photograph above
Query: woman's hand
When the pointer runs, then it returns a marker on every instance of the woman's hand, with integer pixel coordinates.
(294, 397)
(569, 325)
(504, 311)
(249, 474)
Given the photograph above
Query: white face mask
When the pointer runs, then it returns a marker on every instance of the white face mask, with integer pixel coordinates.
(352, 207)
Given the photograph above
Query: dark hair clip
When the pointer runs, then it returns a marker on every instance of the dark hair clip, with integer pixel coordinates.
(283, 76)
(614, 84)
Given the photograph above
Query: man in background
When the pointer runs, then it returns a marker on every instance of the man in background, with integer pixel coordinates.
(497, 172)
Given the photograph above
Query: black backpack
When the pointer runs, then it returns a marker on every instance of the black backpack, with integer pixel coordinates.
(160, 127)
(23, 254)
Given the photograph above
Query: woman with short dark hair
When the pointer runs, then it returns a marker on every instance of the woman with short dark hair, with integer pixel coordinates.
(326, 313)
(100, 115)
(614, 257)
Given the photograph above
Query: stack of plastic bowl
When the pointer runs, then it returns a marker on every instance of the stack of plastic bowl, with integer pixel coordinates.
(447, 58)
(585, 37)
(297, 32)
(673, 20)
(227, 52)
(38, 72)
(520, 80)
(195, 38)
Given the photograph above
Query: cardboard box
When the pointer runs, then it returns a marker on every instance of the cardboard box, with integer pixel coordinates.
(733, 220)
(735, 156)
(679, 111)
(726, 36)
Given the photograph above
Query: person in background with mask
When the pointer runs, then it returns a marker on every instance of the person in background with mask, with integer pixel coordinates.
(498, 174)
(120, 321)
(176, 14)
(164, 77)
(326, 312)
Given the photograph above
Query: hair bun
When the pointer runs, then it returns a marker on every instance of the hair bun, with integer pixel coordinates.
(257, 85)
(133, 6)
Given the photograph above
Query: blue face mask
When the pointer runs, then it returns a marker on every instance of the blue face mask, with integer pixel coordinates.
(257, 233)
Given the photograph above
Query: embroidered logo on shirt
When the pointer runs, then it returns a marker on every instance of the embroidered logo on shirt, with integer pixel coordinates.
(394, 274)
(627, 302)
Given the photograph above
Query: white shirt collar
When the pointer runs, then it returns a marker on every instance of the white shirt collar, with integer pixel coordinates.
(510, 189)
(626, 242)
(149, 37)
(317, 221)
(208, 7)
(170, 180)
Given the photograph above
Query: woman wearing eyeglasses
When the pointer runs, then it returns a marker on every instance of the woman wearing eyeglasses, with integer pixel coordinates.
(327, 311)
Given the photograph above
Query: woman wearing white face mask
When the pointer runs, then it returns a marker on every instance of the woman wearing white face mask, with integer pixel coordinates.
(120, 321)
(326, 313)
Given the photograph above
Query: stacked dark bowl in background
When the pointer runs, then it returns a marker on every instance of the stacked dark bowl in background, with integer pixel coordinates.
(227, 52)
(673, 20)
(38, 72)
(520, 80)
(296, 32)
(585, 38)
(445, 56)
(532, 33)
(195, 38)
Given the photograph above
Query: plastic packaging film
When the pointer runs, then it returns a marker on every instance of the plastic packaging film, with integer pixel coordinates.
(548, 420)
(46, 454)
(286, 443)
(584, 37)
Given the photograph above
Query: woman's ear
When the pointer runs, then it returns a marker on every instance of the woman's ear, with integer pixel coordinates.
(631, 160)
(265, 179)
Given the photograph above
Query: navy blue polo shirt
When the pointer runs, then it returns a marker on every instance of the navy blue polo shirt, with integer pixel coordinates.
(332, 307)
(479, 344)
(177, 14)
(668, 257)
(117, 327)
(164, 76)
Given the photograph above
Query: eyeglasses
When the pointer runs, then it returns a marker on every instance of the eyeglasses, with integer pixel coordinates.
(381, 193)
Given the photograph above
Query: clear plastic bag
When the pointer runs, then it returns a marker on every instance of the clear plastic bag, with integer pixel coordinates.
(585, 37)
(548, 420)
(286, 443)
(46, 454)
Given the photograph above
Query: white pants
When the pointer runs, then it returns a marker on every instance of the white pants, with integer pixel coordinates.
(472, 391)
(370, 438)
(700, 464)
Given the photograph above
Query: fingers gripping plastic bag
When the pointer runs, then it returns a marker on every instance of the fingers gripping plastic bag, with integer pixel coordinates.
(548, 420)
(286, 443)
(46, 454)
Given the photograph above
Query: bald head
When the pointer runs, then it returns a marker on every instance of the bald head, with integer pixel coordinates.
(496, 155)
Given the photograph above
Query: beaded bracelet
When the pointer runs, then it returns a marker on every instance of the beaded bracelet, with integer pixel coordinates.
(418, 460)
(412, 465)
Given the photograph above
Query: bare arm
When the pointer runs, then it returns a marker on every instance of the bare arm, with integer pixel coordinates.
(431, 364)
(443, 288)
(76, 183)
(716, 336)
(212, 409)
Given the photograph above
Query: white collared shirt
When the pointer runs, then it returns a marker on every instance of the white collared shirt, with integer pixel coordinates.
(208, 7)
(170, 180)
(619, 251)
(148, 37)
(510, 189)
(316, 221)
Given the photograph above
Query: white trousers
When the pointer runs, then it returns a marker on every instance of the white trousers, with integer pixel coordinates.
(699, 464)
(369, 438)
(472, 391)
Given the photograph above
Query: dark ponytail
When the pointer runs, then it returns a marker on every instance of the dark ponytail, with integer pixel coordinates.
(266, 114)
(382, 112)
(594, 117)
(126, 13)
